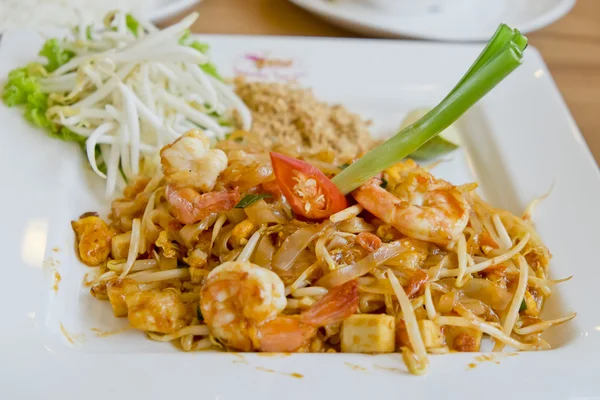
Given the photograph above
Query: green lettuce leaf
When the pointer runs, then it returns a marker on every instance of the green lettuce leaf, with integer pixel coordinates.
(203, 48)
(23, 89)
(55, 54)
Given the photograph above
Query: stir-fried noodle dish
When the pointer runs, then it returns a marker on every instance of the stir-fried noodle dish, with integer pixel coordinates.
(253, 217)
(210, 252)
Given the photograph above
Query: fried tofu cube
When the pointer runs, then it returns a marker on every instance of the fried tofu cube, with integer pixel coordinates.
(431, 333)
(463, 339)
(161, 312)
(368, 333)
(117, 292)
(119, 246)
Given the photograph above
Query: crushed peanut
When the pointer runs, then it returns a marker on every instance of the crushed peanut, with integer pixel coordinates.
(286, 113)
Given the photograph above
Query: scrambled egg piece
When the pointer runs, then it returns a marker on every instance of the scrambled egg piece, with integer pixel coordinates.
(170, 249)
(197, 259)
(190, 162)
(93, 239)
(242, 231)
(397, 173)
(161, 312)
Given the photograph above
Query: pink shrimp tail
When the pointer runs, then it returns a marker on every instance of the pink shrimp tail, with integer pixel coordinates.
(189, 206)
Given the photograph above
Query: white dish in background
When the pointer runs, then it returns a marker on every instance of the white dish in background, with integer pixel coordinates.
(165, 9)
(518, 142)
(471, 20)
(44, 14)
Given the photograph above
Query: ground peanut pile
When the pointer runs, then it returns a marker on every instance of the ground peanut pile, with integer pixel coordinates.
(287, 113)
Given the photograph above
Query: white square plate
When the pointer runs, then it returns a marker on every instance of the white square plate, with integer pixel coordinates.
(519, 142)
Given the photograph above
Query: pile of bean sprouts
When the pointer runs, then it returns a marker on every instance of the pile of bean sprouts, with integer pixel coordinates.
(130, 92)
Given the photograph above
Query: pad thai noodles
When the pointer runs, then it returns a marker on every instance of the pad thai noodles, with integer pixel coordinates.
(245, 247)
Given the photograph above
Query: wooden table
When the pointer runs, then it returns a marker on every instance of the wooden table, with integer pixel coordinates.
(571, 46)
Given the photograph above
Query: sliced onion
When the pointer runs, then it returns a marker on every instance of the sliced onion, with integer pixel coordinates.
(488, 292)
(295, 243)
(362, 267)
(263, 213)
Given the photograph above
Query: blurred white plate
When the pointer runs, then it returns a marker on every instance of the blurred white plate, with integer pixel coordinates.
(45, 14)
(167, 8)
(472, 20)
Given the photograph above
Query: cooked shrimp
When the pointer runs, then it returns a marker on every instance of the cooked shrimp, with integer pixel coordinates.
(189, 206)
(426, 208)
(294, 333)
(242, 302)
(236, 298)
(190, 162)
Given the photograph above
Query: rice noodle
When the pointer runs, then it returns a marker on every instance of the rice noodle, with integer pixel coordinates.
(292, 246)
(151, 276)
(433, 273)
(366, 280)
(134, 244)
(304, 276)
(362, 267)
(263, 213)
(190, 233)
(542, 326)
(412, 329)
(485, 328)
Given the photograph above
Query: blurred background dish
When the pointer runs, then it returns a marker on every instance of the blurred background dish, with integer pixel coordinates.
(41, 14)
(449, 20)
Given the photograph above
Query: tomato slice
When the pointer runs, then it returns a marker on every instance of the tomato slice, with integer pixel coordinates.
(309, 192)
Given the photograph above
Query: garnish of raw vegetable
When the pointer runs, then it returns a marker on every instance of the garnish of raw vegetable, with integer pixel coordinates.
(445, 142)
(307, 189)
(502, 55)
(122, 89)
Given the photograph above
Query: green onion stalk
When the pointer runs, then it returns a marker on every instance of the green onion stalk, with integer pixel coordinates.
(502, 55)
